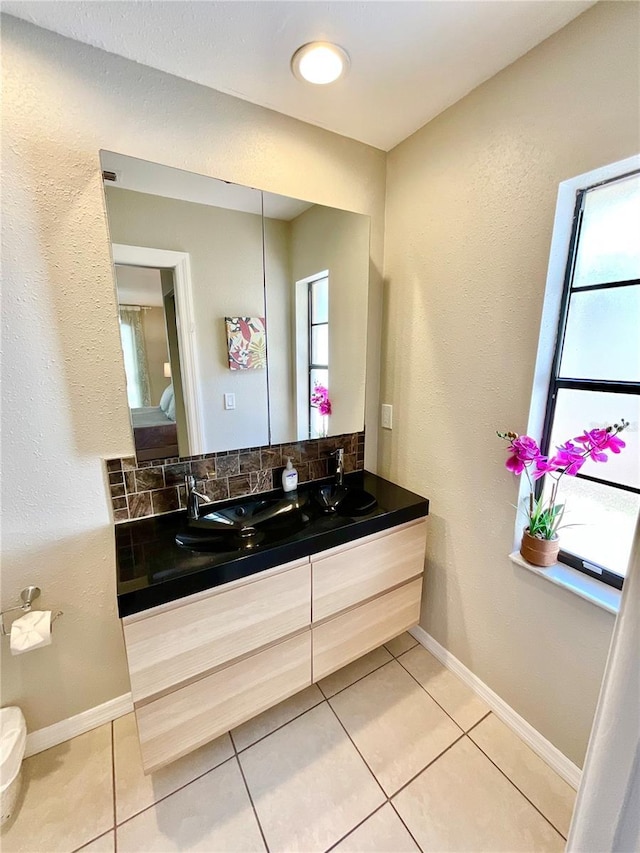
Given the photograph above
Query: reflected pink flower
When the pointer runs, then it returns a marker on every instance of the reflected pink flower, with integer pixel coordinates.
(320, 399)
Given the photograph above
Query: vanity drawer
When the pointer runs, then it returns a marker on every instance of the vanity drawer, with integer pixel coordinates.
(177, 642)
(180, 722)
(344, 638)
(352, 573)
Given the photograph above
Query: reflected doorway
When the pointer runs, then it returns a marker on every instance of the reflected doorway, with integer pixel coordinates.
(149, 336)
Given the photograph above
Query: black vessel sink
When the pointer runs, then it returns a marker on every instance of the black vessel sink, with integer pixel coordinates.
(244, 525)
(344, 500)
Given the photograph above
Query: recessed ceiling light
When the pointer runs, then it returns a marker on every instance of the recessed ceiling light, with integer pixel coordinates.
(319, 62)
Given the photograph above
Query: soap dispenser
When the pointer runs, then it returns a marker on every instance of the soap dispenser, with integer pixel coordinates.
(289, 477)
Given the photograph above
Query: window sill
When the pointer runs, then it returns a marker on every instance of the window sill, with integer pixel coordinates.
(606, 597)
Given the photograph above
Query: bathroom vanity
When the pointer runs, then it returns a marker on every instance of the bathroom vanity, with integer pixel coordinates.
(216, 634)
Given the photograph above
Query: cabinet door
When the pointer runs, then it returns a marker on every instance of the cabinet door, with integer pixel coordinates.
(180, 722)
(173, 644)
(352, 573)
(344, 638)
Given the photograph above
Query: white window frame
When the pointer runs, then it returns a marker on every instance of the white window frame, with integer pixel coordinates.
(585, 586)
(303, 352)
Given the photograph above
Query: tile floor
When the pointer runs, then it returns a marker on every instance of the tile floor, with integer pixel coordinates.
(392, 753)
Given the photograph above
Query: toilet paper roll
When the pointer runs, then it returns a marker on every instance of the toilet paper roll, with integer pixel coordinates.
(31, 631)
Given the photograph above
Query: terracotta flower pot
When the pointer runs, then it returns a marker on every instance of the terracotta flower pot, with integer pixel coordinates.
(539, 552)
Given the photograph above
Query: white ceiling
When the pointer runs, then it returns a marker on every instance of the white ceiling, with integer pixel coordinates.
(409, 60)
(138, 286)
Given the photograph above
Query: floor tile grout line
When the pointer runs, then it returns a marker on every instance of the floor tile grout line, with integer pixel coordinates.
(475, 725)
(357, 826)
(246, 785)
(434, 698)
(426, 767)
(112, 828)
(366, 763)
(255, 813)
(404, 651)
(342, 689)
(233, 743)
(389, 797)
(181, 788)
(402, 821)
(113, 783)
(520, 791)
(262, 737)
(97, 838)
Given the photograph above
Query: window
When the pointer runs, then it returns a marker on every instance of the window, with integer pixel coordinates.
(318, 313)
(135, 356)
(595, 374)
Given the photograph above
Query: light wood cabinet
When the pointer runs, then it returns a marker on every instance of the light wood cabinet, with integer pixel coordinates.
(204, 664)
(174, 643)
(181, 721)
(345, 638)
(365, 568)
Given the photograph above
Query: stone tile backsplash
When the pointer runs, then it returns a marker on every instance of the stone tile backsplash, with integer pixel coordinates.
(152, 488)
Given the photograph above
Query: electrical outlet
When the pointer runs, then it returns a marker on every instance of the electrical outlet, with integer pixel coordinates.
(229, 401)
(386, 418)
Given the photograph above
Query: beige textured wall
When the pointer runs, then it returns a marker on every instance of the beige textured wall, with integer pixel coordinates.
(64, 402)
(470, 206)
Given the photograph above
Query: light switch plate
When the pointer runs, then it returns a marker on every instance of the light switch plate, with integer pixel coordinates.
(229, 401)
(386, 417)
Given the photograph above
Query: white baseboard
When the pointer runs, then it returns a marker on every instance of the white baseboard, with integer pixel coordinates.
(79, 724)
(549, 753)
(92, 718)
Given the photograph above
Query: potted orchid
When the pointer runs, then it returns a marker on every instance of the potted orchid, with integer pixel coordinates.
(540, 542)
(320, 401)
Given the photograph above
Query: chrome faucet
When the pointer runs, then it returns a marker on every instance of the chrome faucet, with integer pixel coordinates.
(193, 497)
(339, 454)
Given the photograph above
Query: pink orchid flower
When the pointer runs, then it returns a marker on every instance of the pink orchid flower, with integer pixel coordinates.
(524, 450)
(569, 457)
(544, 513)
(543, 466)
(596, 441)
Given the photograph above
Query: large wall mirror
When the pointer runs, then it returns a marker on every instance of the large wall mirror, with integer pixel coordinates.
(243, 314)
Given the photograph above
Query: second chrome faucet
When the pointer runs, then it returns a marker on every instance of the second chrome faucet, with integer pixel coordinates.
(339, 454)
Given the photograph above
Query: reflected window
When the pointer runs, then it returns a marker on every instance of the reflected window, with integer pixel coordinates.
(595, 377)
(318, 353)
(135, 356)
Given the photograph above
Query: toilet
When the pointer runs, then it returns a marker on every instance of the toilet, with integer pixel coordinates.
(13, 741)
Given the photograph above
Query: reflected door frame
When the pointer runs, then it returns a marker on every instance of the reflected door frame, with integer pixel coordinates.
(179, 263)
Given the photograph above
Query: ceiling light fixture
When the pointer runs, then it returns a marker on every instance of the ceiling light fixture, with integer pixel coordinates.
(319, 62)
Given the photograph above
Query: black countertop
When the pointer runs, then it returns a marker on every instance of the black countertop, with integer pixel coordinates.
(153, 569)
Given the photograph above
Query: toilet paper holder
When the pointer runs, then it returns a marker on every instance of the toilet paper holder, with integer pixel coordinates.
(28, 596)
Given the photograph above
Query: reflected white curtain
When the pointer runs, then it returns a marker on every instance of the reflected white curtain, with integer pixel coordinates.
(606, 818)
(135, 356)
